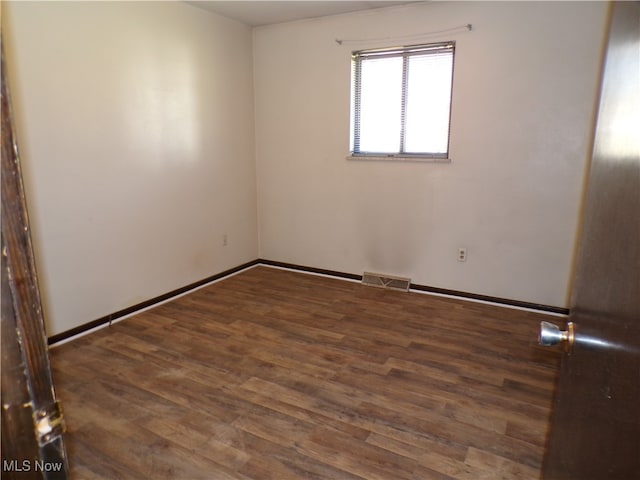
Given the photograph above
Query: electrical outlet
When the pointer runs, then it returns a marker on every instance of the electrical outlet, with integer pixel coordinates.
(225, 240)
(462, 254)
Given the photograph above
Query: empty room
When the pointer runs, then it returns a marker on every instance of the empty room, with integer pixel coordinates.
(320, 240)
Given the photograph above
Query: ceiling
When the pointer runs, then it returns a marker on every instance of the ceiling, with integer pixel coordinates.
(261, 13)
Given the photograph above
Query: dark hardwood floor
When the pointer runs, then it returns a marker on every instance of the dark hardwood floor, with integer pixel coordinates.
(272, 374)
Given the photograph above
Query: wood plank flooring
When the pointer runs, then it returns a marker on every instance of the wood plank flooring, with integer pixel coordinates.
(272, 374)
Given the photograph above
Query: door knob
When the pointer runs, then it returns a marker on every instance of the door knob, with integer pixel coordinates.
(550, 334)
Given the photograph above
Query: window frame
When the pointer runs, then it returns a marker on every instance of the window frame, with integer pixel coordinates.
(404, 52)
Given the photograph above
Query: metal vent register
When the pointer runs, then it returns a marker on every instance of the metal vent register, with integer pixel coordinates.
(386, 281)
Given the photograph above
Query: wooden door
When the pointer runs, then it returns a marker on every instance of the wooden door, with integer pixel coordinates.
(595, 431)
(32, 443)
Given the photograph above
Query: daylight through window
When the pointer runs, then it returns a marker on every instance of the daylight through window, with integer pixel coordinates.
(401, 101)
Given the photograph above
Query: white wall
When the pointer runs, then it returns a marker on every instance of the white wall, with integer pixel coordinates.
(524, 95)
(136, 130)
(135, 125)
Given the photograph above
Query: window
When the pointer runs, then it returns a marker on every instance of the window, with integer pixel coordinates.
(401, 101)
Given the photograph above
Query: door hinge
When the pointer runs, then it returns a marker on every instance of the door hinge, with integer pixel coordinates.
(49, 423)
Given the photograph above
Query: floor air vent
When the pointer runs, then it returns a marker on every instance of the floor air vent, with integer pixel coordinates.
(386, 281)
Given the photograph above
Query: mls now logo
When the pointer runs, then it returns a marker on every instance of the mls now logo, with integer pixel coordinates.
(28, 466)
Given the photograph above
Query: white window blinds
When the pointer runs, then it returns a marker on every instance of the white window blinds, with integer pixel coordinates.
(401, 100)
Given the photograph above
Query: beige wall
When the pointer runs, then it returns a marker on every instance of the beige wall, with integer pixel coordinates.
(135, 125)
(524, 95)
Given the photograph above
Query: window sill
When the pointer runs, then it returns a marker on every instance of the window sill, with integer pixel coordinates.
(399, 158)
